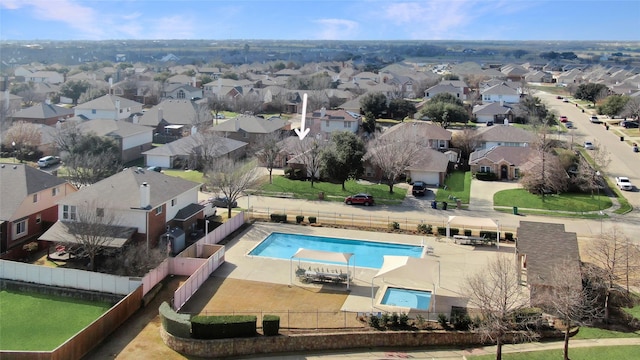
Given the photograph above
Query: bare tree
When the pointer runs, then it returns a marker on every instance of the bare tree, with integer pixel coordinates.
(202, 118)
(498, 295)
(93, 228)
(232, 178)
(309, 153)
(317, 99)
(28, 93)
(467, 142)
(545, 175)
(393, 154)
(208, 148)
(271, 151)
(26, 135)
(217, 104)
(632, 108)
(567, 299)
(250, 103)
(615, 259)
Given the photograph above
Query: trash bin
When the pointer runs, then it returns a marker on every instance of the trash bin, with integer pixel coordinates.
(434, 204)
(444, 205)
(515, 210)
(458, 204)
(321, 195)
(621, 138)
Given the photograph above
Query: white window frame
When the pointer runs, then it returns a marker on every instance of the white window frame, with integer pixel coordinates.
(54, 191)
(485, 169)
(159, 210)
(35, 197)
(69, 212)
(20, 227)
(38, 218)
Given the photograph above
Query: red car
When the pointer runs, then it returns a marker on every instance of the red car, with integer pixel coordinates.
(364, 199)
(563, 119)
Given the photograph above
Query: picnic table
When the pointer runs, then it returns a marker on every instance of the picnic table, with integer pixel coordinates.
(311, 276)
(472, 240)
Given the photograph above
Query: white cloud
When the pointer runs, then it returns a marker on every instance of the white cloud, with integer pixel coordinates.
(173, 27)
(336, 29)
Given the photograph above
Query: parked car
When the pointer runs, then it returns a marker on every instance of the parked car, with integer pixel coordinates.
(155, 168)
(222, 202)
(362, 199)
(559, 97)
(48, 161)
(419, 188)
(489, 123)
(563, 119)
(624, 183)
(630, 124)
(594, 119)
(569, 124)
(589, 145)
(220, 116)
(565, 100)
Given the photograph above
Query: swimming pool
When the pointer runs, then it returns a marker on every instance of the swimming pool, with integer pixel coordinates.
(366, 253)
(415, 299)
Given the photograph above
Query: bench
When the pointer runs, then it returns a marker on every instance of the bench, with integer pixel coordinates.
(472, 240)
(317, 276)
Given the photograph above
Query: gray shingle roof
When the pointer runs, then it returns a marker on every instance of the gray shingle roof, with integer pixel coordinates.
(185, 146)
(515, 155)
(107, 102)
(251, 124)
(545, 245)
(430, 160)
(17, 181)
(43, 111)
(422, 129)
(122, 190)
(492, 108)
(113, 128)
(506, 133)
(175, 112)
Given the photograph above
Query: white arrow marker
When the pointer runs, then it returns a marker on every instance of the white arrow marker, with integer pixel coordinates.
(302, 132)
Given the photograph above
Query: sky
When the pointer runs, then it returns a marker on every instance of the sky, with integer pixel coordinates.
(616, 20)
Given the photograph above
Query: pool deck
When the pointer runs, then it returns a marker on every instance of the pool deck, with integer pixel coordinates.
(455, 261)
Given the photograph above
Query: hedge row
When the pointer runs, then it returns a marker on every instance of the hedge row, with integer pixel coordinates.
(178, 325)
(222, 327)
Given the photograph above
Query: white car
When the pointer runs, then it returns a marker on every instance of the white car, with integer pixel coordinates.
(624, 183)
(48, 161)
(589, 145)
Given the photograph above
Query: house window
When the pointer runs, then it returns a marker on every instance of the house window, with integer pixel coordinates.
(159, 210)
(100, 212)
(93, 111)
(427, 94)
(20, 227)
(347, 124)
(69, 212)
(54, 191)
(485, 169)
(35, 198)
(181, 94)
(38, 218)
(516, 173)
(174, 202)
(245, 135)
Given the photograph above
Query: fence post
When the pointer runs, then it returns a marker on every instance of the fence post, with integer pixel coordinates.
(317, 319)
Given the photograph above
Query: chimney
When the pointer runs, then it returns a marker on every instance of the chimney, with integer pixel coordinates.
(194, 82)
(323, 112)
(117, 109)
(160, 115)
(145, 196)
(47, 101)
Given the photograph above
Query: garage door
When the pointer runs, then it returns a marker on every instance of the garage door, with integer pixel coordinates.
(430, 178)
(162, 161)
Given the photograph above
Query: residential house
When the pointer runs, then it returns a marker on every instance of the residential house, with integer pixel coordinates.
(505, 162)
(514, 72)
(50, 77)
(505, 135)
(181, 91)
(501, 93)
(323, 122)
(494, 112)
(250, 129)
(540, 247)
(289, 149)
(426, 134)
(446, 88)
(29, 206)
(430, 166)
(187, 151)
(176, 117)
(181, 79)
(143, 204)
(539, 77)
(108, 107)
(43, 113)
(132, 139)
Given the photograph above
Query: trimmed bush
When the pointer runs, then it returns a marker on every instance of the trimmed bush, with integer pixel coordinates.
(467, 232)
(222, 327)
(271, 325)
(508, 236)
(394, 225)
(279, 218)
(442, 320)
(425, 228)
(374, 321)
(178, 325)
(299, 219)
(486, 176)
(312, 219)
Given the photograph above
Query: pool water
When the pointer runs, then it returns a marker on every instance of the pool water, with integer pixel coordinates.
(366, 253)
(415, 299)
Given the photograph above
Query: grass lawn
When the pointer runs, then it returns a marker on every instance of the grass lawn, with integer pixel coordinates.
(41, 322)
(191, 175)
(596, 333)
(565, 202)
(589, 353)
(458, 185)
(332, 192)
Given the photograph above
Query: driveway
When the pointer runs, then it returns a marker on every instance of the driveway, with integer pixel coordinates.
(481, 197)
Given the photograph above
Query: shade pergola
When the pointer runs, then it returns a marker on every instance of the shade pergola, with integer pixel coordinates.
(410, 272)
(322, 256)
(474, 222)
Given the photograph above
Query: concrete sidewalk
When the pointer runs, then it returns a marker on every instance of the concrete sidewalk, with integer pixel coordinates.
(453, 353)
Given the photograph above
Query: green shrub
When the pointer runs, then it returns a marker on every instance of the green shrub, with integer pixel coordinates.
(299, 219)
(395, 318)
(492, 235)
(374, 321)
(178, 325)
(486, 176)
(508, 236)
(403, 319)
(385, 319)
(312, 219)
(279, 218)
(467, 232)
(394, 225)
(221, 327)
(442, 320)
(270, 325)
(424, 228)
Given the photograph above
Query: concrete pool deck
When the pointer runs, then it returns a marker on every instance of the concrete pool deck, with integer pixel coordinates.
(455, 262)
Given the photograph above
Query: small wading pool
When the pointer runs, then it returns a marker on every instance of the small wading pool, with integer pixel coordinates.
(368, 254)
(415, 299)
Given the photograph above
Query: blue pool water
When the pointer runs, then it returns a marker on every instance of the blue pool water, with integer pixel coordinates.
(414, 299)
(366, 253)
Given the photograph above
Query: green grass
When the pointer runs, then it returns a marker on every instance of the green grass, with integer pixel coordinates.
(627, 352)
(458, 185)
(566, 202)
(190, 175)
(42, 322)
(332, 192)
(596, 333)
(634, 311)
